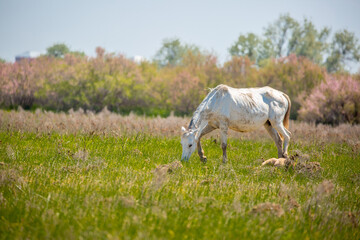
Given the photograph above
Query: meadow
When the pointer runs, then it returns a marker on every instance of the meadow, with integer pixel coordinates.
(85, 175)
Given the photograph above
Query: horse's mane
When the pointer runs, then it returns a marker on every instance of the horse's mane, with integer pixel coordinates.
(196, 116)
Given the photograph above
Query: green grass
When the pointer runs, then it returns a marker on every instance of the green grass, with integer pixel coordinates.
(98, 187)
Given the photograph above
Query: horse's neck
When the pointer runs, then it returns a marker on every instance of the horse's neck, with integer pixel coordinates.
(195, 121)
(198, 123)
(192, 124)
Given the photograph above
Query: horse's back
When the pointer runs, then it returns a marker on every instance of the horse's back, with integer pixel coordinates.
(252, 98)
(244, 109)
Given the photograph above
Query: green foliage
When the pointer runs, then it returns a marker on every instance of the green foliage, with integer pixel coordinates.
(308, 42)
(170, 53)
(246, 45)
(266, 52)
(58, 50)
(287, 36)
(77, 53)
(280, 34)
(173, 52)
(100, 187)
(344, 48)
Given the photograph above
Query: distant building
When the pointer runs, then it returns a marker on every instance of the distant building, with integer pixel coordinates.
(138, 59)
(27, 55)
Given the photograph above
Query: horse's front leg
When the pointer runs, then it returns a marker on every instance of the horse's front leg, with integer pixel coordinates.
(223, 135)
(201, 152)
(206, 130)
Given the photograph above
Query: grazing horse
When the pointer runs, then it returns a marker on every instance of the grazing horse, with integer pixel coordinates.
(242, 110)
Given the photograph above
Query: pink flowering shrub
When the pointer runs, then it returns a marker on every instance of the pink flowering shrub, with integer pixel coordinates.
(335, 101)
(16, 83)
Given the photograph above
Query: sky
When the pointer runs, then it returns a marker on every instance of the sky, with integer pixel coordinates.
(138, 27)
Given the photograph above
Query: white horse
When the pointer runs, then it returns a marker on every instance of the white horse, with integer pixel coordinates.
(242, 110)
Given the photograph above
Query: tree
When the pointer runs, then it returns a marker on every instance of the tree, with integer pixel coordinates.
(282, 38)
(58, 50)
(286, 36)
(2, 60)
(172, 52)
(252, 46)
(279, 34)
(246, 45)
(308, 42)
(266, 51)
(344, 49)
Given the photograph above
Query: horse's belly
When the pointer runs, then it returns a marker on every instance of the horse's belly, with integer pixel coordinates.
(245, 127)
(247, 122)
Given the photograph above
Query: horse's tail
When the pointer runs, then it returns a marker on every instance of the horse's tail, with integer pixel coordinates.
(287, 114)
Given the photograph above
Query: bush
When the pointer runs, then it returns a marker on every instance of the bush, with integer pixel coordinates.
(335, 101)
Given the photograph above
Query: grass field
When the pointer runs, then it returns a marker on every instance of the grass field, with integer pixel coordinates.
(104, 177)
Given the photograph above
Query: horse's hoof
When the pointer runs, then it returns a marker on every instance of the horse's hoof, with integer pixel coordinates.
(203, 160)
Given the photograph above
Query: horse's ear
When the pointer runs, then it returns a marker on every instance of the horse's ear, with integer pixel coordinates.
(183, 130)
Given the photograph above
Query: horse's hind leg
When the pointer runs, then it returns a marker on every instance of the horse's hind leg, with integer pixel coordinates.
(284, 133)
(275, 136)
(206, 130)
(223, 136)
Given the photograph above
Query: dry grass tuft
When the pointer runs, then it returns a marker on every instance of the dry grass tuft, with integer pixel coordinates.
(10, 152)
(83, 161)
(300, 157)
(268, 208)
(2, 199)
(301, 163)
(168, 168)
(355, 146)
(325, 188)
(310, 168)
(128, 202)
(278, 162)
(10, 177)
(81, 156)
(352, 218)
(162, 171)
(291, 203)
(355, 178)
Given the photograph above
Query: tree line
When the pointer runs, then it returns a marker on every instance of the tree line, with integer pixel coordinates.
(290, 56)
(287, 36)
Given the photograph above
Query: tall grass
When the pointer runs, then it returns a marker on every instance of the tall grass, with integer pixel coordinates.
(95, 177)
(108, 123)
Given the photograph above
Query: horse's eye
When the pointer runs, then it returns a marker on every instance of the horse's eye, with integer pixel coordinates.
(190, 145)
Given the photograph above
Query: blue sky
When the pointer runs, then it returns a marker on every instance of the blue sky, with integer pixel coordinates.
(138, 27)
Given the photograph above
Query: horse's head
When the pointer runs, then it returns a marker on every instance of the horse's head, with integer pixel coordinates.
(189, 142)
